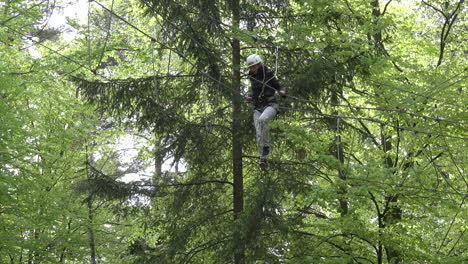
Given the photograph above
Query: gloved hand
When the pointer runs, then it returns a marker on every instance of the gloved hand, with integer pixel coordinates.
(249, 99)
(282, 93)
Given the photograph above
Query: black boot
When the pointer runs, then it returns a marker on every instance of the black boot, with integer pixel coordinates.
(263, 164)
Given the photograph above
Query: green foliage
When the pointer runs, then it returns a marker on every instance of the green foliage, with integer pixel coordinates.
(368, 152)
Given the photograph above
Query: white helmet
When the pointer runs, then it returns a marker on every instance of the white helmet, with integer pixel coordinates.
(253, 60)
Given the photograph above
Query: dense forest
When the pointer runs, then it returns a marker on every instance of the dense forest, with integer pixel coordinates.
(125, 138)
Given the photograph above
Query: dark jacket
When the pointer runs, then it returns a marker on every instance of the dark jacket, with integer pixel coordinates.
(264, 85)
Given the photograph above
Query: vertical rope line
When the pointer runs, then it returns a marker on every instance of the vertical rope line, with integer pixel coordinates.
(459, 167)
(263, 81)
(338, 145)
(410, 145)
(201, 86)
(89, 34)
(153, 58)
(384, 144)
(401, 135)
(413, 143)
(169, 62)
(218, 91)
(413, 137)
(352, 144)
(276, 61)
(168, 72)
(155, 83)
(256, 45)
(451, 225)
(205, 103)
(338, 125)
(109, 25)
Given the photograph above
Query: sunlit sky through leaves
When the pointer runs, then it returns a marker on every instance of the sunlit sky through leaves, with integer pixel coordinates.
(77, 10)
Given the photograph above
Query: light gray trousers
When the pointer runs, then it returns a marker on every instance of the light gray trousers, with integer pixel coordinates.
(261, 126)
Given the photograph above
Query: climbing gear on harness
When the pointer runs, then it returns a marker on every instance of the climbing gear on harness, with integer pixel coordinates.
(253, 60)
(262, 99)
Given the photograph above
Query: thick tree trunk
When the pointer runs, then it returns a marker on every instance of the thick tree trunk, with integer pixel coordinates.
(158, 156)
(376, 15)
(344, 207)
(7, 5)
(340, 157)
(341, 175)
(92, 244)
(64, 249)
(393, 211)
(392, 217)
(89, 203)
(238, 192)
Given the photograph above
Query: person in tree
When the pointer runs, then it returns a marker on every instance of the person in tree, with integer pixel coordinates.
(264, 85)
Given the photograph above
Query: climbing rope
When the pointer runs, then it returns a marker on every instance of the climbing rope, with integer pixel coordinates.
(88, 35)
(153, 61)
(108, 30)
(276, 61)
(227, 86)
(383, 140)
(357, 107)
(352, 146)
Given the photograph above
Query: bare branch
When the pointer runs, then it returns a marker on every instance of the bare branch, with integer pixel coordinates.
(435, 8)
(455, 244)
(386, 6)
(187, 184)
(379, 214)
(448, 23)
(451, 225)
(319, 215)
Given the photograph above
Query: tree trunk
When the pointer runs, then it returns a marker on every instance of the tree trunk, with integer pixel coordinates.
(158, 156)
(92, 244)
(238, 188)
(393, 216)
(64, 249)
(340, 157)
(376, 15)
(341, 175)
(89, 203)
(7, 5)
(393, 212)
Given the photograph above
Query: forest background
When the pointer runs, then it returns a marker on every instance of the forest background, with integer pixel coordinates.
(124, 137)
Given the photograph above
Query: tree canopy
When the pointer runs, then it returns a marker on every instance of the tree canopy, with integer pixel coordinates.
(125, 138)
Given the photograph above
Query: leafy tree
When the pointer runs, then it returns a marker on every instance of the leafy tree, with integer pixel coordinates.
(368, 163)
